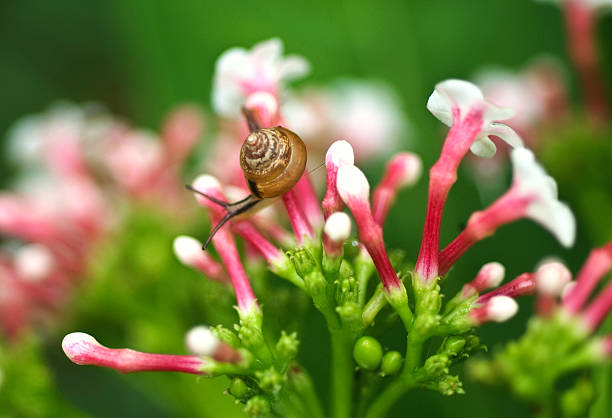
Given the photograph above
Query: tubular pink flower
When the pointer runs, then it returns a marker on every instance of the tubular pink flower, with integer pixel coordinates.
(337, 229)
(354, 190)
(299, 223)
(533, 194)
(496, 309)
(460, 105)
(597, 310)
(25, 219)
(83, 349)
(189, 252)
(247, 231)
(180, 132)
(224, 243)
(309, 201)
(340, 153)
(596, 266)
(403, 170)
(551, 278)
(520, 286)
(489, 276)
(580, 21)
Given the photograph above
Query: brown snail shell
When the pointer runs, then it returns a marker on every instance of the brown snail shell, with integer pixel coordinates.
(273, 161)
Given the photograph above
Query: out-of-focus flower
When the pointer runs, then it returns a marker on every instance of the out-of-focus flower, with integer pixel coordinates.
(538, 93)
(78, 168)
(580, 22)
(366, 112)
(240, 72)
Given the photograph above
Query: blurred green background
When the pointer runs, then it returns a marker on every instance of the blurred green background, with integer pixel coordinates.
(143, 57)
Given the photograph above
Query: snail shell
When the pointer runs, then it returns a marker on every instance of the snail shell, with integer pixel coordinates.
(272, 160)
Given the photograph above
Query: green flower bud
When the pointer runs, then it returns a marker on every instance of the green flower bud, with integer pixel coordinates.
(368, 353)
(391, 362)
(304, 261)
(287, 346)
(436, 365)
(257, 406)
(239, 389)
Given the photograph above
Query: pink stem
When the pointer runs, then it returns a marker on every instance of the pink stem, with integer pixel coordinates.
(331, 201)
(580, 24)
(442, 176)
(520, 286)
(307, 197)
(247, 231)
(299, 223)
(598, 309)
(370, 235)
(508, 208)
(596, 266)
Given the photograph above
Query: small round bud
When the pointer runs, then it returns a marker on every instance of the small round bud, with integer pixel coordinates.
(187, 249)
(338, 227)
(391, 362)
(368, 353)
(492, 274)
(340, 153)
(501, 308)
(238, 388)
(201, 341)
(551, 278)
(408, 168)
(34, 262)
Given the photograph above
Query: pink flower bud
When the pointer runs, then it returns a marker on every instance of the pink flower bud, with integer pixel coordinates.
(83, 349)
(403, 170)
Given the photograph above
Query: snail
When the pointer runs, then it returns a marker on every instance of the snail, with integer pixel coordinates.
(273, 160)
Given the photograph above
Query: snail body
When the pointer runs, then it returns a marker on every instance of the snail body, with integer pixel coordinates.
(273, 160)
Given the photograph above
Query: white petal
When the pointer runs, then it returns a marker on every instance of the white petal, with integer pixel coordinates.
(293, 67)
(506, 133)
(440, 107)
(460, 93)
(556, 217)
(483, 147)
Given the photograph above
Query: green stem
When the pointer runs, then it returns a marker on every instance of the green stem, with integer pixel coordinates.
(381, 406)
(374, 305)
(342, 374)
(304, 388)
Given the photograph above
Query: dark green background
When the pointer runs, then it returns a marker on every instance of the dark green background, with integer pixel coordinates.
(143, 57)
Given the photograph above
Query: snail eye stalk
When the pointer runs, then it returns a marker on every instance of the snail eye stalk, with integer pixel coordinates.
(233, 209)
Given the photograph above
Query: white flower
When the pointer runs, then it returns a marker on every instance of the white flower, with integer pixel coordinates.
(240, 72)
(457, 98)
(531, 181)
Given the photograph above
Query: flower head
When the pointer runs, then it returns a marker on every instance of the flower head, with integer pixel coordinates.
(240, 72)
(455, 102)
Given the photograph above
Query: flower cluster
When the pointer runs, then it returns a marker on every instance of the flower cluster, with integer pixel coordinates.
(560, 339)
(320, 259)
(78, 167)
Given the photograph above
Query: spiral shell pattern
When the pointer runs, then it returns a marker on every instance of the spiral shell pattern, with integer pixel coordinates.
(273, 160)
